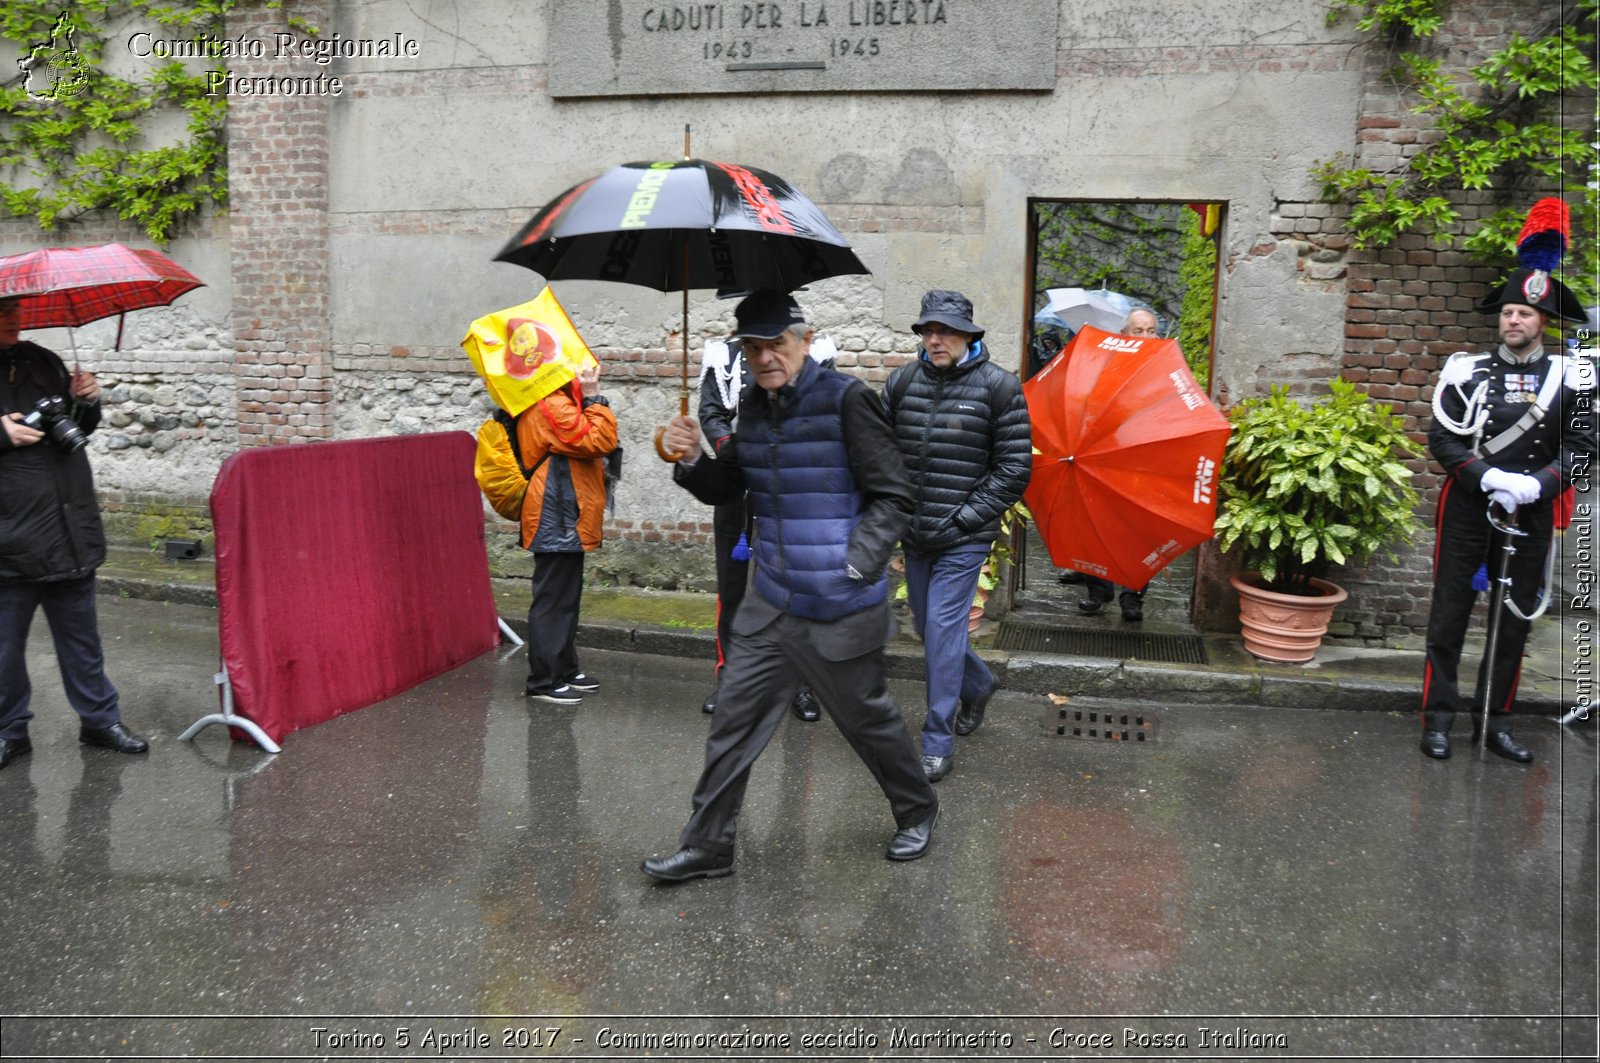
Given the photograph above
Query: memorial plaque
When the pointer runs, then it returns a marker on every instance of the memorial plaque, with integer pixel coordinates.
(646, 47)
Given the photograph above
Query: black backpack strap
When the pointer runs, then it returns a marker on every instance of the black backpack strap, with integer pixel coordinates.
(509, 423)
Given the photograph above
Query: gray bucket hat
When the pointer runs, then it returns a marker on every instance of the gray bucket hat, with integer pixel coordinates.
(951, 309)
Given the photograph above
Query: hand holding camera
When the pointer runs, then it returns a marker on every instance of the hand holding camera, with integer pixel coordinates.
(51, 416)
(20, 434)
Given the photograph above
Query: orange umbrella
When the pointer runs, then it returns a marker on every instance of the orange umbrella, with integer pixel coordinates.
(1127, 445)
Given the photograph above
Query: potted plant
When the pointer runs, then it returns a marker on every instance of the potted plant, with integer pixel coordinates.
(1304, 488)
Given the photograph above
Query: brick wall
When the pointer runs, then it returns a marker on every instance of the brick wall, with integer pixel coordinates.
(278, 216)
(1407, 307)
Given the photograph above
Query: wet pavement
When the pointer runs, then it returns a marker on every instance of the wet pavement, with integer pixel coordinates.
(462, 864)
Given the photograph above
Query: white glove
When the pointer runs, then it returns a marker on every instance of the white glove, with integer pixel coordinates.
(1497, 480)
(1525, 489)
(1505, 500)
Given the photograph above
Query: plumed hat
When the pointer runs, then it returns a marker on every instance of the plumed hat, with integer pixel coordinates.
(1540, 247)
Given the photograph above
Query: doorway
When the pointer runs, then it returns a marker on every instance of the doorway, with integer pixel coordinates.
(1147, 254)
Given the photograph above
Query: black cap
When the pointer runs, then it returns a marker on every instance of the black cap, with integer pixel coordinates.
(766, 315)
(1536, 288)
(951, 309)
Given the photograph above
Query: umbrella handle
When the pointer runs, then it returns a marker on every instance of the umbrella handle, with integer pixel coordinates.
(666, 455)
(672, 455)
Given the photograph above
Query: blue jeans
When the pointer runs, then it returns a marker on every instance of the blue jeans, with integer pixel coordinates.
(940, 587)
(69, 608)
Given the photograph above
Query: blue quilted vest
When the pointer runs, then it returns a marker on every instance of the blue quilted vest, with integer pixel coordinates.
(803, 496)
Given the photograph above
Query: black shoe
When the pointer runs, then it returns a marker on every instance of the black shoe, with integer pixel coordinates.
(806, 706)
(709, 705)
(688, 863)
(12, 748)
(936, 768)
(1132, 608)
(1068, 576)
(970, 715)
(586, 683)
(561, 695)
(1503, 744)
(909, 843)
(1091, 605)
(1436, 744)
(115, 737)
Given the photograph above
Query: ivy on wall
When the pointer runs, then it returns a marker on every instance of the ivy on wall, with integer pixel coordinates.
(1510, 129)
(75, 138)
(1152, 252)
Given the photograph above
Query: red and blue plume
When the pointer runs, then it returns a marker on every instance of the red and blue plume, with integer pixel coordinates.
(1544, 236)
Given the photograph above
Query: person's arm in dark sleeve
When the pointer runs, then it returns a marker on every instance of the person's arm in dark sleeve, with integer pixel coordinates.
(713, 480)
(1010, 460)
(1576, 461)
(1454, 452)
(716, 419)
(880, 475)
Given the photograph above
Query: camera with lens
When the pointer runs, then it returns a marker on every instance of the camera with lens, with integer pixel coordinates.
(52, 416)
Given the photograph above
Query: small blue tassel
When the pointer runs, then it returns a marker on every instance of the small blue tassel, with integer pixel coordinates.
(741, 549)
(1480, 578)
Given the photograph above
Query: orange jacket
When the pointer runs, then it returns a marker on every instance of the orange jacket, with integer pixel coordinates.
(565, 505)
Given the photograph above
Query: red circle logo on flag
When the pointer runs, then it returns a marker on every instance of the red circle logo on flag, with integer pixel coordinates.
(531, 345)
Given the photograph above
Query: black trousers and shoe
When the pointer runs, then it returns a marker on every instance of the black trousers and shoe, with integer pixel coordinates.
(1465, 541)
(553, 627)
(69, 609)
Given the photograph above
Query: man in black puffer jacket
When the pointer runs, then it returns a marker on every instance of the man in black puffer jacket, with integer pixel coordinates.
(962, 426)
(51, 541)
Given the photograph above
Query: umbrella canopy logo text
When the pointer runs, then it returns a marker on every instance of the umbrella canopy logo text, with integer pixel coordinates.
(768, 214)
(643, 201)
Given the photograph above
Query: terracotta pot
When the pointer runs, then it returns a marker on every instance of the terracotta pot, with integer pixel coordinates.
(1284, 627)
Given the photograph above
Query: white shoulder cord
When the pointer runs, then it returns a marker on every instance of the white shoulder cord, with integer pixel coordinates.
(1475, 413)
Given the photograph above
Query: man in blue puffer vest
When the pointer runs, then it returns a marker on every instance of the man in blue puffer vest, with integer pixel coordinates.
(828, 493)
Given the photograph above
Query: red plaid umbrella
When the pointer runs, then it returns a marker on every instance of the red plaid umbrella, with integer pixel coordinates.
(70, 286)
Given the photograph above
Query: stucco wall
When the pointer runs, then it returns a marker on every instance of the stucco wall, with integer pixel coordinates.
(358, 244)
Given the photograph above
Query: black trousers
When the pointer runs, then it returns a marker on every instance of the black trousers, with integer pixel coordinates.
(727, 524)
(69, 606)
(553, 620)
(1465, 541)
(761, 669)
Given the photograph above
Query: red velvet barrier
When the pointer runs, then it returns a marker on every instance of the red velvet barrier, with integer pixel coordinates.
(348, 572)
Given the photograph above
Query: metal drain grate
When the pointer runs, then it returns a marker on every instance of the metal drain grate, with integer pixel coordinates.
(1120, 645)
(1105, 726)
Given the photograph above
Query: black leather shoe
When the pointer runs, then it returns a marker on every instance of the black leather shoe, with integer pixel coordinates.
(970, 715)
(1132, 608)
(1503, 744)
(806, 706)
(909, 843)
(709, 705)
(1091, 605)
(115, 737)
(1436, 744)
(936, 768)
(12, 748)
(688, 863)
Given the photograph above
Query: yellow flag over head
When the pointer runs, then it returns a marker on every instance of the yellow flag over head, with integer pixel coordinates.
(525, 352)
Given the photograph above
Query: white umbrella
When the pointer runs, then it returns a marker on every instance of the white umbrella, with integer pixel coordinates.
(1081, 306)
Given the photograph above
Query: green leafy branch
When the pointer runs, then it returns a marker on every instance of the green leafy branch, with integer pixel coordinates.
(91, 149)
(1500, 130)
(1306, 487)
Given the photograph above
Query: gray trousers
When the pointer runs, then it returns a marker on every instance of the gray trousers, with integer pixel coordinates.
(760, 668)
